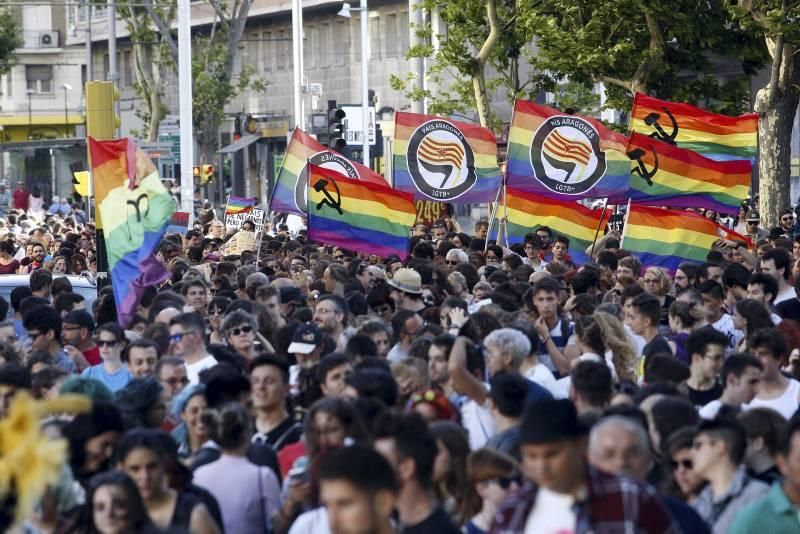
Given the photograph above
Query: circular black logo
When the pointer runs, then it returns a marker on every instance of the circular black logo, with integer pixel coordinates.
(440, 161)
(566, 156)
(328, 160)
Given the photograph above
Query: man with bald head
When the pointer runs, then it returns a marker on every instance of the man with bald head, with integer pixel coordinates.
(620, 445)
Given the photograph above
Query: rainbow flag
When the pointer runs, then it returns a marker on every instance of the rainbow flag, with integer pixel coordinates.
(562, 156)
(239, 205)
(439, 159)
(666, 238)
(369, 218)
(718, 137)
(135, 209)
(529, 211)
(666, 175)
(289, 194)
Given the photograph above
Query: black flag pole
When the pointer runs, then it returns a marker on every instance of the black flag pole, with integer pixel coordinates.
(599, 225)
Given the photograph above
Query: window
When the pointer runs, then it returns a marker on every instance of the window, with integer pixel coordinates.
(308, 42)
(39, 78)
(126, 76)
(323, 40)
(374, 37)
(280, 49)
(341, 43)
(269, 46)
(392, 45)
(404, 31)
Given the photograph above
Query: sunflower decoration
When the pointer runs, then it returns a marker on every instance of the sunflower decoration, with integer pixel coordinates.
(29, 461)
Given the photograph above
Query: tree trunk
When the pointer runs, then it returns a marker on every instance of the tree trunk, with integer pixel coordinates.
(481, 98)
(774, 155)
(156, 105)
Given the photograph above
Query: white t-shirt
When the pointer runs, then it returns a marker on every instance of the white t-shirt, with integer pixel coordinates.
(312, 522)
(478, 422)
(544, 377)
(551, 514)
(726, 326)
(710, 410)
(193, 370)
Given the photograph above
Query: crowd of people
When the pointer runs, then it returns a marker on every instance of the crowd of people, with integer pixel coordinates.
(303, 388)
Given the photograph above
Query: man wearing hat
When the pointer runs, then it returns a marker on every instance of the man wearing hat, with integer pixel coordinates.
(564, 493)
(307, 348)
(752, 218)
(406, 292)
(77, 333)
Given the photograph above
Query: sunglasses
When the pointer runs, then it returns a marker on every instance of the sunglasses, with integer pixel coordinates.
(242, 330)
(686, 464)
(505, 483)
(450, 262)
(106, 342)
(215, 311)
(176, 338)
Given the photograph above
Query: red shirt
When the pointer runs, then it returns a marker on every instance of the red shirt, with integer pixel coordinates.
(21, 199)
(93, 355)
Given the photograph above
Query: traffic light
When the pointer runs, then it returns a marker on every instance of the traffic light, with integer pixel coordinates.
(336, 117)
(197, 172)
(102, 120)
(206, 174)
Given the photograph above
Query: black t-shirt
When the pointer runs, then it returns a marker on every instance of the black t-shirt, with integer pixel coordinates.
(436, 523)
(286, 433)
(789, 309)
(657, 345)
(701, 398)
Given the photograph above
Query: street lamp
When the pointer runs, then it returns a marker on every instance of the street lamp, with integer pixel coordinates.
(345, 12)
(30, 92)
(66, 87)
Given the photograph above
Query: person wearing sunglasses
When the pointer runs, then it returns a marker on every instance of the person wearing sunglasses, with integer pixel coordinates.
(112, 371)
(187, 341)
(240, 333)
(492, 475)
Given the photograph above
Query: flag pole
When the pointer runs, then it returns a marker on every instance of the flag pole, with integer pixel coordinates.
(599, 225)
(625, 225)
(492, 217)
(308, 212)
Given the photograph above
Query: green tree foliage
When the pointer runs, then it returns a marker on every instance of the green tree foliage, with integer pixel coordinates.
(9, 39)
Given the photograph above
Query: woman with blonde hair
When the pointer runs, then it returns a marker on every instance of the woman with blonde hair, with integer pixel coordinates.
(492, 476)
(657, 282)
(623, 355)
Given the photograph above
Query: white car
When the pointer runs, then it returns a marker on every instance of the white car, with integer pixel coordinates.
(82, 285)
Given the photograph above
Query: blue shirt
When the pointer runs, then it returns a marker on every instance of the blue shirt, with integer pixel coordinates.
(113, 381)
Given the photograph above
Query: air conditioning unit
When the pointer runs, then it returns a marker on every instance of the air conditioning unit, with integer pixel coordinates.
(48, 39)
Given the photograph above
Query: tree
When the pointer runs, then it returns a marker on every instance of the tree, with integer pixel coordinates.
(776, 21)
(213, 61)
(9, 39)
(151, 61)
(478, 55)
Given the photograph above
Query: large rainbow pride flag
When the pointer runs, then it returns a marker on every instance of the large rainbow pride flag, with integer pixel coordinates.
(666, 238)
(435, 158)
(665, 175)
(568, 157)
(289, 194)
(135, 209)
(348, 213)
(718, 137)
(528, 211)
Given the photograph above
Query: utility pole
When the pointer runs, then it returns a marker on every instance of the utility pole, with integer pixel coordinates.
(185, 113)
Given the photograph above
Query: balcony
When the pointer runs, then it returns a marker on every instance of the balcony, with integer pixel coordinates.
(40, 40)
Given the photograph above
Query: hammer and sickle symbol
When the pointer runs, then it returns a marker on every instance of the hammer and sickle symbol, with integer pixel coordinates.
(660, 134)
(322, 187)
(636, 154)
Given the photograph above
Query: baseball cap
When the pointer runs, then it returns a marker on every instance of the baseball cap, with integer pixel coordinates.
(305, 339)
(752, 216)
(81, 318)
